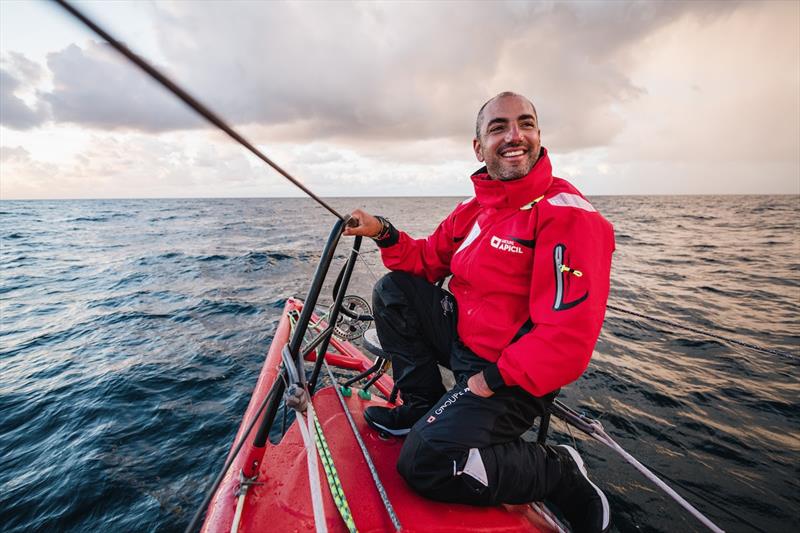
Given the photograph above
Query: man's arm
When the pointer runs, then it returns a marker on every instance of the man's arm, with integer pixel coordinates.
(569, 291)
(428, 258)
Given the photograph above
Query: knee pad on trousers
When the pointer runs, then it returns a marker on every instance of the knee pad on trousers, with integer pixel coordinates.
(432, 473)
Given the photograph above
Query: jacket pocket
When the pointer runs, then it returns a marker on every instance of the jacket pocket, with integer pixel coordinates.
(563, 272)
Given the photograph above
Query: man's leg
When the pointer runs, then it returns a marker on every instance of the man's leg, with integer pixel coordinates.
(467, 449)
(416, 326)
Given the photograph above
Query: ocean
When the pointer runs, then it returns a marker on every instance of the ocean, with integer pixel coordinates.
(132, 333)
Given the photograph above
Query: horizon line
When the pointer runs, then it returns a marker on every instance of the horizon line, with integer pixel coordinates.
(365, 196)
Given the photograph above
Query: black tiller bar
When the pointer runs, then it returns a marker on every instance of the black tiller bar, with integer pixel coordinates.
(189, 100)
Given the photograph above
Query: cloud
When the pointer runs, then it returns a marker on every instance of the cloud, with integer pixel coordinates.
(379, 98)
(735, 103)
(400, 71)
(95, 87)
(373, 71)
(18, 74)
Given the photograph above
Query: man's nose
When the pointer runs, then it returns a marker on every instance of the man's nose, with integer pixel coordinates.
(513, 133)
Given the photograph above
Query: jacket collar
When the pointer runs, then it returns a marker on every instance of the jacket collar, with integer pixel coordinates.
(514, 193)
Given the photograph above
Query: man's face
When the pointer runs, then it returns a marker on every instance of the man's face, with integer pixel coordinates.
(509, 140)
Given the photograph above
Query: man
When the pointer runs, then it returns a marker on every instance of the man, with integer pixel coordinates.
(530, 260)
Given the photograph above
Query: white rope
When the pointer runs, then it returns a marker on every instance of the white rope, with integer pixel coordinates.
(600, 435)
(237, 516)
(308, 431)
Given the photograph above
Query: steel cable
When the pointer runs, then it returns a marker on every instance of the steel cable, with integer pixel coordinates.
(703, 332)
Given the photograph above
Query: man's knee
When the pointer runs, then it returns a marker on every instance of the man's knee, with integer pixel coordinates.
(435, 473)
(389, 290)
(422, 466)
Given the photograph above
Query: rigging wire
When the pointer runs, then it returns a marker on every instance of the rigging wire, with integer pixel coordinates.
(367, 457)
(702, 332)
(190, 100)
(699, 495)
(594, 429)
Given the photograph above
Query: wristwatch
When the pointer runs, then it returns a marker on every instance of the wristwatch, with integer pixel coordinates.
(384, 232)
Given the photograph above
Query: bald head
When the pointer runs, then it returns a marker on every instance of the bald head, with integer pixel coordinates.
(505, 94)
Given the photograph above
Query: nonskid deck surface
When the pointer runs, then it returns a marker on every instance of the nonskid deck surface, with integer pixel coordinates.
(283, 502)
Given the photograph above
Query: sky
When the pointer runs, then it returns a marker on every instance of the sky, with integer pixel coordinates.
(380, 98)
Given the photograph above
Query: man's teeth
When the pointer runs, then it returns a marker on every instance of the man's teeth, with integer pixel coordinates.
(513, 153)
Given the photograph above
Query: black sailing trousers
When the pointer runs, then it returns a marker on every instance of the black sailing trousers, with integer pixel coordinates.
(465, 449)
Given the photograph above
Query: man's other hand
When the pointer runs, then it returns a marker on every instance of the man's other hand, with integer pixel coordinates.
(367, 225)
(477, 386)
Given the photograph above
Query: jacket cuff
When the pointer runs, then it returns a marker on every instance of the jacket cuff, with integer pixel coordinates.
(391, 238)
(493, 378)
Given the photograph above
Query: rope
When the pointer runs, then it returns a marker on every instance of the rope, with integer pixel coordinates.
(307, 430)
(372, 470)
(189, 100)
(703, 332)
(332, 475)
(378, 485)
(366, 263)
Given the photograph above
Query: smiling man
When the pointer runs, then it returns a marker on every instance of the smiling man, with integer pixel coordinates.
(530, 260)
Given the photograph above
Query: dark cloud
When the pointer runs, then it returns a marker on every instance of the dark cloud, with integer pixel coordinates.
(374, 71)
(95, 87)
(18, 73)
(390, 71)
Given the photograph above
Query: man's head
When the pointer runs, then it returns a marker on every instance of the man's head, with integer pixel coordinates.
(507, 136)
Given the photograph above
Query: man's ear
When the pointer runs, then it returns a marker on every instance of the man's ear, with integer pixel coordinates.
(476, 145)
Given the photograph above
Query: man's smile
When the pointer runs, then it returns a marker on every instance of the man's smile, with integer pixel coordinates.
(513, 153)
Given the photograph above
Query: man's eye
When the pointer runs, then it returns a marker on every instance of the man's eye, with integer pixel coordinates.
(495, 129)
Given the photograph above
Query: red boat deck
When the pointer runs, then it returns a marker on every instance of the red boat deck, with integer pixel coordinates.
(283, 501)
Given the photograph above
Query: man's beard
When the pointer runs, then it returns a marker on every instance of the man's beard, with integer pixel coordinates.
(501, 172)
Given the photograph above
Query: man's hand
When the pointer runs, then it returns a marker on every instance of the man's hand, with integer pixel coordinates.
(367, 225)
(477, 386)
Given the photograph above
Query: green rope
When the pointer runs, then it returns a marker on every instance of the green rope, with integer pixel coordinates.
(332, 475)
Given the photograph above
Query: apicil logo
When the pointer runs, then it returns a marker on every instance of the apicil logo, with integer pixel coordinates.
(505, 245)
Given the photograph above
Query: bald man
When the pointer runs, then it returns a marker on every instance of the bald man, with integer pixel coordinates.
(530, 261)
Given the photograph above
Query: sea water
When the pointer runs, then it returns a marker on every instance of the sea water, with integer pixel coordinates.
(132, 333)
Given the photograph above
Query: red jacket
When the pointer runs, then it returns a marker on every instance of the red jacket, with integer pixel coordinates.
(528, 251)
